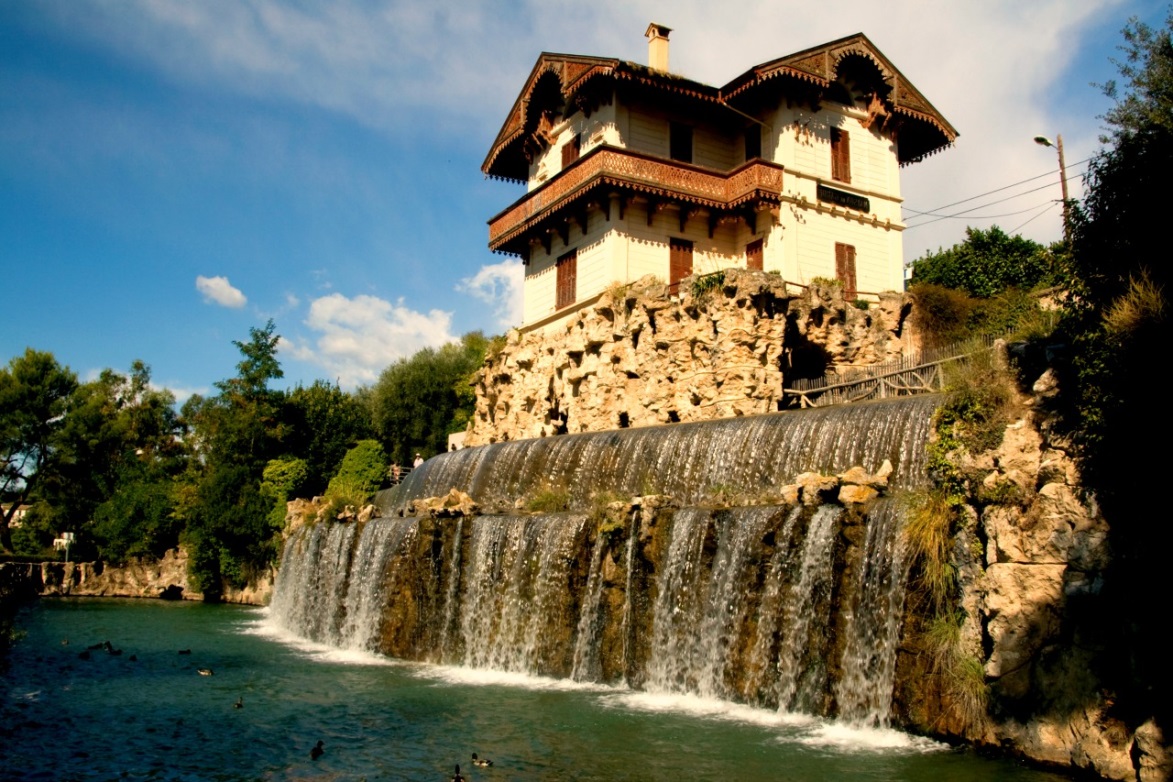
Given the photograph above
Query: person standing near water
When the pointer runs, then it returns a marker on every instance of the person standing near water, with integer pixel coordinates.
(419, 459)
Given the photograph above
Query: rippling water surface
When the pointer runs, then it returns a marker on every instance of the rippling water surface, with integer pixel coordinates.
(154, 717)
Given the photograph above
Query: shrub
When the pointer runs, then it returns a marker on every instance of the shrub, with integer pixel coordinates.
(360, 474)
(705, 283)
(548, 499)
(941, 315)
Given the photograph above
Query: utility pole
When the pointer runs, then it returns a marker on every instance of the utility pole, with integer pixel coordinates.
(1058, 145)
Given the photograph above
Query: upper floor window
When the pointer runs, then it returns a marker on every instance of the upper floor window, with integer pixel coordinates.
(571, 149)
(680, 142)
(840, 155)
(567, 281)
(753, 142)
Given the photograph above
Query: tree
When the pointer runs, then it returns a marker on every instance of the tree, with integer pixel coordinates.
(324, 423)
(987, 263)
(229, 528)
(419, 401)
(360, 475)
(35, 393)
(1118, 330)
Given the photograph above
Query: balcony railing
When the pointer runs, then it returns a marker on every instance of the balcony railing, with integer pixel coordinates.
(623, 169)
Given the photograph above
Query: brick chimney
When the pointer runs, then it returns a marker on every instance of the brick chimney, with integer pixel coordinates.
(657, 35)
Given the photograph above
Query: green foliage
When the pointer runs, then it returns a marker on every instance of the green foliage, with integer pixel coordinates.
(978, 397)
(1118, 330)
(987, 263)
(280, 480)
(418, 401)
(137, 521)
(941, 314)
(944, 316)
(362, 471)
(548, 499)
(929, 532)
(231, 528)
(1143, 305)
(35, 394)
(609, 523)
(232, 539)
(323, 422)
(708, 282)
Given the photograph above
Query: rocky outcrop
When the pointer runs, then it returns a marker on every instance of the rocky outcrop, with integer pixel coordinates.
(166, 577)
(1032, 554)
(640, 356)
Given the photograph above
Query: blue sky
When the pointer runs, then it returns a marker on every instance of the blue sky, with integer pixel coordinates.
(173, 173)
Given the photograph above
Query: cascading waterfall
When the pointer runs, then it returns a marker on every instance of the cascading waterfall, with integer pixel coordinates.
(799, 663)
(451, 598)
(864, 693)
(586, 662)
(790, 606)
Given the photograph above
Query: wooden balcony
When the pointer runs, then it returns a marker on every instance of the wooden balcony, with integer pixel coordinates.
(607, 171)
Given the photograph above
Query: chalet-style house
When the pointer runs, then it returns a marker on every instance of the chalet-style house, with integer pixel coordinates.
(631, 170)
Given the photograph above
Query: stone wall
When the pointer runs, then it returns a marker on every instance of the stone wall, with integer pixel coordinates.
(163, 578)
(640, 356)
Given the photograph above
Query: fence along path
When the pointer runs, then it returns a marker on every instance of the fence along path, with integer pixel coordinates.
(917, 373)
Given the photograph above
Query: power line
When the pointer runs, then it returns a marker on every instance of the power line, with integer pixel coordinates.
(967, 215)
(1015, 230)
(932, 212)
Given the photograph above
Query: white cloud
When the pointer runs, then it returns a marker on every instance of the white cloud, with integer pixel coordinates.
(1001, 71)
(500, 286)
(217, 290)
(359, 337)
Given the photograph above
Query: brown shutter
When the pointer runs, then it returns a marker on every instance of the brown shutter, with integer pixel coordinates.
(567, 280)
(845, 268)
(679, 260)
(753, 255)
(571, 149)
(840, 155)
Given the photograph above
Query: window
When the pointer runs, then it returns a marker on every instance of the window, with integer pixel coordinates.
(567, 280)
(753, 142)
(840, 155)
(753, 255)
(679, 260)
(680, 142)
(845, 268)
(571, 149)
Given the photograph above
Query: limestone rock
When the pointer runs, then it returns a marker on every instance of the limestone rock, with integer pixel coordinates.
(639, 357)
(1022, 606)
(454, 503)
(1154, 755)
(815, 487)
(851, 493)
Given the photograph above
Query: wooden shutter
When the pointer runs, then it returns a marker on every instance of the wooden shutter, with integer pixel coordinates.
(679, 260)
(840, 155)
(571, 149)
(753, 255)
(845, 268)
(567, 280)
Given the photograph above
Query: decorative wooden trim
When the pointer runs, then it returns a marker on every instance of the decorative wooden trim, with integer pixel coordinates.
(660, 181)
